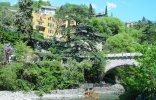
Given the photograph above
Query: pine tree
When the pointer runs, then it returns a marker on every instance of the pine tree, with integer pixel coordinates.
(24, 18)
(106, 11)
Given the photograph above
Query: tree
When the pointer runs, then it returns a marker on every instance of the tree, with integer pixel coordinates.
(106, 11)
(6, 4)
(78, 13)
(136, 79)
(82, 45)
(91, 11)
(6, 17)
(121, 42)
(107, 26)
(147, 28)
(99, 25)
(143, 18)
(37, 4)
(114, 24)
(149, 33)
(24, 18)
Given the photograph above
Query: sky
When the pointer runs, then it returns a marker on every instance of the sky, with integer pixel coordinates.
(126, 10)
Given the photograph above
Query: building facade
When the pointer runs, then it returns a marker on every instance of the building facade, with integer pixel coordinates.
(130, 24)
(45, 22)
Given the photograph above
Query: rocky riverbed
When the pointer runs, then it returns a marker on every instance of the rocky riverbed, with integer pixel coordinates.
(68, 94)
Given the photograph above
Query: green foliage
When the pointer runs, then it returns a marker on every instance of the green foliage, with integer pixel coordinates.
(74, 73)
(37, 4)
(7, 4)
(68, 12)
(134, 33)
(8, 76)
(9, 36)
(79, 45)
(23, 52)
(139, 78)
(1, 53)
(43, 76)
(149, 33)
(86, 63)
(91, 11)
(24, 18)
(94, 74)
(37, 35)
(115, 25)
(6, 17)
(21, 48)
(147, 28)
(122, 42)
(107, 26)
(100, 26)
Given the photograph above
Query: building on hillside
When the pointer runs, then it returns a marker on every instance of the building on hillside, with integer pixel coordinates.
(130, 24)
(44, 21)
(99, 15)
(64, 24)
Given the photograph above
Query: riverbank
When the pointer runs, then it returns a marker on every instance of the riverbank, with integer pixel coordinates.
(67, 94)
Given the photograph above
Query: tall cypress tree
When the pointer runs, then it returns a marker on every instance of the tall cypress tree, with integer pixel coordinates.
(143, 18)
(106, 11)
(24, 18)
(91, 11)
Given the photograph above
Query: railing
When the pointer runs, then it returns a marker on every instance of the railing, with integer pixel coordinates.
(124, 55)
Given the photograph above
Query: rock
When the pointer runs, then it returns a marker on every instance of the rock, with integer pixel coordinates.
(7, 95)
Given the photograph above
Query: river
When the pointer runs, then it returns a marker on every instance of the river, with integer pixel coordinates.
(104, 93)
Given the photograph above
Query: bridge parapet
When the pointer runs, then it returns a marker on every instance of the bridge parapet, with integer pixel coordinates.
(123, 55)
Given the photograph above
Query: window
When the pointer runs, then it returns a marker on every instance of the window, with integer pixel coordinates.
(40, 23)
(50, 31)
(50, 25)
(49, 18)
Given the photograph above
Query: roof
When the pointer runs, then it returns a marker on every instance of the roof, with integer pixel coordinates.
(100, 15)
(49, 7)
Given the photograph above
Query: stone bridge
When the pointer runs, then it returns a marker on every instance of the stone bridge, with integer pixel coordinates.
(119, 59)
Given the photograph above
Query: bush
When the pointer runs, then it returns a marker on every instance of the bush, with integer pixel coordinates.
(1, 53)
(42, 76)
(8, 76)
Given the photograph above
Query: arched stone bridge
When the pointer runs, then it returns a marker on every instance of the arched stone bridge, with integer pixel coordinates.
(119, 59)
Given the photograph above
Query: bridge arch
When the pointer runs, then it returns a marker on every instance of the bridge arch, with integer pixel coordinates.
(111, 64)
(120, 59)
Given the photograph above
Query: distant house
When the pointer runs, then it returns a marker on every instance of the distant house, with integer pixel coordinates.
(130, 24)
(99, 15)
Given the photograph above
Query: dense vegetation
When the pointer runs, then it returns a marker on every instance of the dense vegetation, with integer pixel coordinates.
(44, 65)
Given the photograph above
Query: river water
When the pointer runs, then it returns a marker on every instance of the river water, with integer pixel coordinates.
(101, 97)
(104, 93)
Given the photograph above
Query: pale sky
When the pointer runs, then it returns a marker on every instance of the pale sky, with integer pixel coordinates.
(126, 10)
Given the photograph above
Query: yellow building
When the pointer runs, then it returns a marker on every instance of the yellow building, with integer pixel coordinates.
(44, 21)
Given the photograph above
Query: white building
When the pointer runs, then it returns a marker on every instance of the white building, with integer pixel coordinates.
(47, 10)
